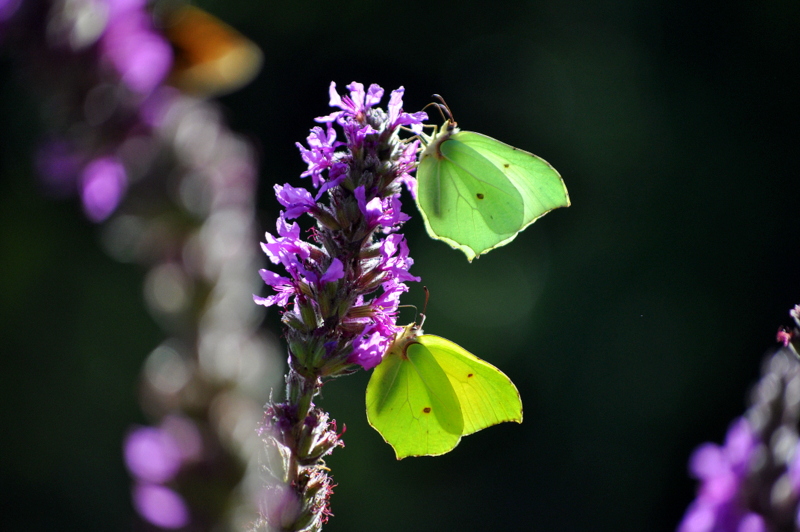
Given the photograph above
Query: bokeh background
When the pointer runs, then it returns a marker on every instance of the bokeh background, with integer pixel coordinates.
(633, 322)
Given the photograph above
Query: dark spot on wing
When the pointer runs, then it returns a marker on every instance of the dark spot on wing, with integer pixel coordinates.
(480, 196)
(427, 410)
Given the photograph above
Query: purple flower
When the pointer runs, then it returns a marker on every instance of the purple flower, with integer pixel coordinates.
(407, 164)
(103, 183)
(287, 249)
(396, 261)
(354, 105)
(152, 455)
(384, 308)
(320, 156)
(282, 286)
(142, 57)
(355, 242)
(373, 210)
(399, 118)
(297, 201)
(721, 470)
(385, 212)
(333, 272)
(160, 505)
(369, 348)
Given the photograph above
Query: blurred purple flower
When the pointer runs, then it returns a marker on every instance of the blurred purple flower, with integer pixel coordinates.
(750, 484)
(99, 64)
(160, 505)
(141, 56)
(103, 184)
(721, 471)
(152, 455)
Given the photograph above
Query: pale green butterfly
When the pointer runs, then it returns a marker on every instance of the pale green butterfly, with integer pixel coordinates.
(428, 392)
(477, 193)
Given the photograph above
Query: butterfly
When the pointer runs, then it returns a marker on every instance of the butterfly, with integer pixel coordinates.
(429, 392)
(210, 57)
(477, 193)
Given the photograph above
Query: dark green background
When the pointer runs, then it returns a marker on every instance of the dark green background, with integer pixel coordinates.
(632, 322)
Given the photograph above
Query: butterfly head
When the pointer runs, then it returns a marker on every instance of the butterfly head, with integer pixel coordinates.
(433, 142)
(403, 339)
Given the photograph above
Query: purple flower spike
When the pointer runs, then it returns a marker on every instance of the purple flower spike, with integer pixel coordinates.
(750, 484)
(341, 288)
(352, 222)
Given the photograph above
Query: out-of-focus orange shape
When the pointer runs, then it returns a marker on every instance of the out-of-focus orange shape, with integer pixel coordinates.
(211, 58)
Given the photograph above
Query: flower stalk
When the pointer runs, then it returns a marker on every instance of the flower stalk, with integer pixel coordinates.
(341, 287)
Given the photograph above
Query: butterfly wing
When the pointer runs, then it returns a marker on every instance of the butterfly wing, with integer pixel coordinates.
(486, 395)
(466, 200)
(540, 185)
(477, 193)
(412, 404)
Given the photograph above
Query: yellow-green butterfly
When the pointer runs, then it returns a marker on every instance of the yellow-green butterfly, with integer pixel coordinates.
(428, 392)
(477, 193)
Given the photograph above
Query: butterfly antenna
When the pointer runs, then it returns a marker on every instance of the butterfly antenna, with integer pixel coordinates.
(447, 114)
(438, 106)
(424, 308)
(416, 310)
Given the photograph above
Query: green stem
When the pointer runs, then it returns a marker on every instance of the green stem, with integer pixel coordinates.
(300, 392)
